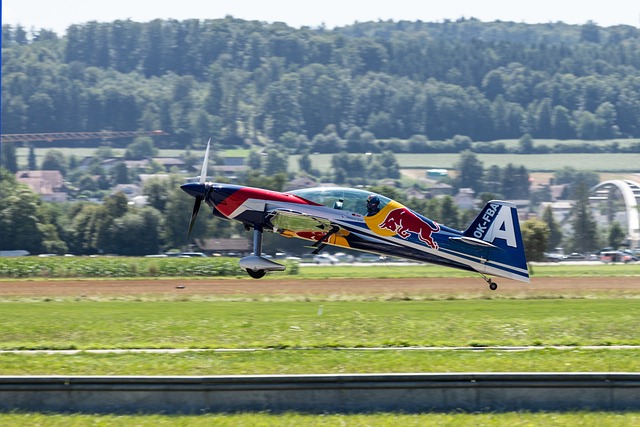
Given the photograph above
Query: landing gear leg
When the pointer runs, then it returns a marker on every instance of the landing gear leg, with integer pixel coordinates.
(255, 265)
(492, 285)
(257, 251)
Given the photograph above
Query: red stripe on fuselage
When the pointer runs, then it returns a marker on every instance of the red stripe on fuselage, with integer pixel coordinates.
(237, 198)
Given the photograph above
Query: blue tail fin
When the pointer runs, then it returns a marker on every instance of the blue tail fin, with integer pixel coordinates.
(498, 226)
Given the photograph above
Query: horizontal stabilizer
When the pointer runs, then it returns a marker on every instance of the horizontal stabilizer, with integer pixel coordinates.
(472, 241)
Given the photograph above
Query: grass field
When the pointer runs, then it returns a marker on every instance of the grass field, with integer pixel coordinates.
(110, 267)
(597, 162)
(517, 419)
(428, 270)
(321, 361)
(87, 324)
(297, 335)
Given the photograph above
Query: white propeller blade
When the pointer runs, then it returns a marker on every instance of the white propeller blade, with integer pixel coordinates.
(203, 174)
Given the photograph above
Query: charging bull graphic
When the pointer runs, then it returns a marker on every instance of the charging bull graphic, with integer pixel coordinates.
(404, 222)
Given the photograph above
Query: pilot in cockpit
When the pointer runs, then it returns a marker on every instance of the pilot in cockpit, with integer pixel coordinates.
(338, 204)
(373, 205)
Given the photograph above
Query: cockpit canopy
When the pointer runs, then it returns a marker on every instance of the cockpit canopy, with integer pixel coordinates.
(348, 199)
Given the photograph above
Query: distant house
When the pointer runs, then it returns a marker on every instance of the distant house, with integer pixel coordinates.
(135, 164)
(48, 184)
(465, 199)
(144, 177)
(302, 182)
(232, 167)
(414, 193)
(171, 162)
(441, 189)
(558, 191)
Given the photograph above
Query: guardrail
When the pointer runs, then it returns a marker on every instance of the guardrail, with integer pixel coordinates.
(469, 392)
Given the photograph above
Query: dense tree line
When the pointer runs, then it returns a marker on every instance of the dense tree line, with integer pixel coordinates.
(243, 81)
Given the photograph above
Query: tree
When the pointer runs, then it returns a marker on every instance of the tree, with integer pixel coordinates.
(304, 162)
(276, 161)
(584, 238)
(555, 232)
(120, 173)
(616, 235)
(19, 219)
(383, 166)
(32, 165)
(135, 233)
(470, 171)
(157, 191)
(449, 213)
(535, 237)
(525, 144)
(8, 157)
(493, 181)
(141, 148)
(55, 160)
(254, 161)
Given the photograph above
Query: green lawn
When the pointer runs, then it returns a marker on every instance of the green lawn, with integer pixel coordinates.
(87, 324)
(325, 361)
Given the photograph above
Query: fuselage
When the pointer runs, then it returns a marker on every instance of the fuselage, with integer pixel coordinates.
(394, 231)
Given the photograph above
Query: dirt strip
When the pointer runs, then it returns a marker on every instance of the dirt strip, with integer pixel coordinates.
(292, 286)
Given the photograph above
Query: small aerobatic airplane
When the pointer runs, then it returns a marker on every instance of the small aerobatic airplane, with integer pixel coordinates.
(358, 219)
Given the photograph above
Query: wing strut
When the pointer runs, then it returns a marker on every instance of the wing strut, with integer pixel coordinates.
(320, 244)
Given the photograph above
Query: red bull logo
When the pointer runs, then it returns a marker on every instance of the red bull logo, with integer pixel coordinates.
(404, 222)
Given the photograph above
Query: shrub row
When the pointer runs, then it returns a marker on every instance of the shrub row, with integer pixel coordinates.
(61, 267)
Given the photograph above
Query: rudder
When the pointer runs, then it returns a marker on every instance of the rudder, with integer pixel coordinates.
(498, 225)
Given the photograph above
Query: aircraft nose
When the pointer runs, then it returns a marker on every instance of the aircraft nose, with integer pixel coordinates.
(194, 189)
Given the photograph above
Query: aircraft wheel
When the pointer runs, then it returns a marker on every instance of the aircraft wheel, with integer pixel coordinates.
(493, 286)
(256, 274)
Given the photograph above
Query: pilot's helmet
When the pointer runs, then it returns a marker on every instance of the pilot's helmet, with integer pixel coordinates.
(373, 200)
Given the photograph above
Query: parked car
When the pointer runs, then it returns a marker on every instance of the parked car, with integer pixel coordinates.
(325, 259)
(367, 257)
(343, 257)
(553, 257)
(191, 255)
(615, 256)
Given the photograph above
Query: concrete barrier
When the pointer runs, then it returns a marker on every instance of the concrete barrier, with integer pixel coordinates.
(469, 392)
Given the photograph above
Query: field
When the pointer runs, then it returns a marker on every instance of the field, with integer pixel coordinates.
(300, 324)
(597, 162)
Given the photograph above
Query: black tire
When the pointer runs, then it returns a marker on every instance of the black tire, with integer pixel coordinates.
(493, 286)
(256, 274)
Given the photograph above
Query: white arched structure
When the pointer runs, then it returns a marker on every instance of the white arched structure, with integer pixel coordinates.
(618, 200)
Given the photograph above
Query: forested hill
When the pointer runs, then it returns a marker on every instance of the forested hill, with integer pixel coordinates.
(240, 80)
